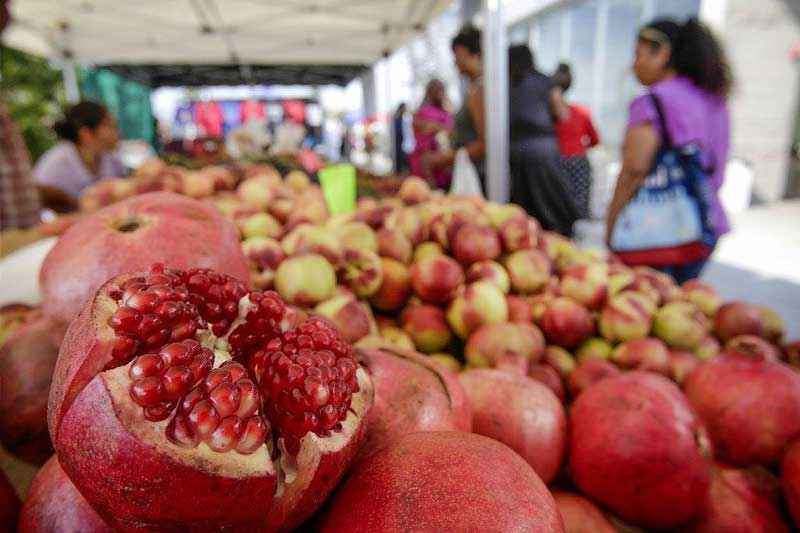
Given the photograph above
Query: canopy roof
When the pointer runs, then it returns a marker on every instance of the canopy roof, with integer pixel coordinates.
(221, 35)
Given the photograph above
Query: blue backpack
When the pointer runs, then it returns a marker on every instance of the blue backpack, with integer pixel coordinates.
(667, 222)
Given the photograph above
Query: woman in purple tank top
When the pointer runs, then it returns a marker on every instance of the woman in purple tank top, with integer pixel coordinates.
(686, 69)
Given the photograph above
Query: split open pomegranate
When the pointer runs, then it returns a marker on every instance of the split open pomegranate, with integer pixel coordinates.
(183, 399)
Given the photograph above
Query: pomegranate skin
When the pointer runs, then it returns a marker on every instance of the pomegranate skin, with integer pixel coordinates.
(752, 428)
(54, 504)
(101, 456)
(520, 412)
(790, 476)
(27, 360)
(158, 227)
(740, 501)
(413, 393)
(9, 504)
(434, 482)
(580, 514)
(639, 450)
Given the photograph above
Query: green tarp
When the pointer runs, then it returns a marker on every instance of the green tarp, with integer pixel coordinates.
(128, 100)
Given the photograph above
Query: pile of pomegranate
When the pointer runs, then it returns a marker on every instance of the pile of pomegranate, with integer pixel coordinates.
(216, 352)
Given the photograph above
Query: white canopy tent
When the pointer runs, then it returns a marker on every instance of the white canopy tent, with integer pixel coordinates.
(256, 32)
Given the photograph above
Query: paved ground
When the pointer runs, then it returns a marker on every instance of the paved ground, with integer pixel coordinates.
(759, 261)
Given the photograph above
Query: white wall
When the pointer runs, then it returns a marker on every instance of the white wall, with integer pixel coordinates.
(759, 37)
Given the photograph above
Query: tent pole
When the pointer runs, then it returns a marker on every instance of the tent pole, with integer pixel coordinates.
(495, 101)
(71, 89)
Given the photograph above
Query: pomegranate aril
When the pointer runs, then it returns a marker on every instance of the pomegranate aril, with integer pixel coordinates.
(177, 353)
(190, 400)
(248, 398)
(159, 412)
(146, 365)
(215, 377)
(157, 338)
(226, 435)
(328, 417)
(177, 381)
(225, 399)
(125, 347)
(132, 288)
(179, 432)
(147, 391)
(184, 329)
(201, 365)
(168, 309)
(203, 419)
(142, 301)
(236, 370)
(125, 319)
(253, 435)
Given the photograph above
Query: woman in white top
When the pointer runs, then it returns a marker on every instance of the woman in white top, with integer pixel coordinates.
(84, 156)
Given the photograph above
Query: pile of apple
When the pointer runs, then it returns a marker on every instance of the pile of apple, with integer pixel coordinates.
(489, 375)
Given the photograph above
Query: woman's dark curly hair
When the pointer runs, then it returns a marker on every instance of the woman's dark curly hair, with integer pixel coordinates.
(696, 53)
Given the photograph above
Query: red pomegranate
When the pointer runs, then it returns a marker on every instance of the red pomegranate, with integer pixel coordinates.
(435, 482)
(738, 318)
(520, 412)
(587, 373)
(549, 376)
(790, 476)
(131, 235)
(740, 501)
(751, 407)
(54, 504)
(566, 323)
(178, 399)
(27, 360)
(413, 393)
(637, 448)
(580, 514)
(9, 504)
(753, 346)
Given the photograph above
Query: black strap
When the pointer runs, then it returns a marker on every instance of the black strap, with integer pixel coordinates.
(661, 120)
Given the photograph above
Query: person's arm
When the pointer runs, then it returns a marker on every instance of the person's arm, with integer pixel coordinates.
(638, 154)
(559, 109)
(594, 138)
(477, 148)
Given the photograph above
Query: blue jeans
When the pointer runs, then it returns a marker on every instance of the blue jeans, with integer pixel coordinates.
(685, 272)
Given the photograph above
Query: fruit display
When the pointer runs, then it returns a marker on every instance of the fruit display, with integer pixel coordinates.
(237, 358)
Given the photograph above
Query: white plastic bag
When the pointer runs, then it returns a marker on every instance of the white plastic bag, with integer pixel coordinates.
(465, 177)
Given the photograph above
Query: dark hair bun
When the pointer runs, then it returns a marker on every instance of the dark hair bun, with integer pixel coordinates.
(65, 130)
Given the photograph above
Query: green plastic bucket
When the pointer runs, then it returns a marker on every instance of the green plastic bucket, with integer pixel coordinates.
(339, 187)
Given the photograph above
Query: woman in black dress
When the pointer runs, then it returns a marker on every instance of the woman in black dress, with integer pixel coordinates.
(537, 180)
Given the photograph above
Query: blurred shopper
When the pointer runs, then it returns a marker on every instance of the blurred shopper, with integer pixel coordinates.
(469, 123)
(86, 154)
(398, 130)
(19, 201)
(576, 133)
(537, 178)
(431, 122)
(688, 76)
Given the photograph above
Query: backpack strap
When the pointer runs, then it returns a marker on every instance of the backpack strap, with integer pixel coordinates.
(661, 119)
